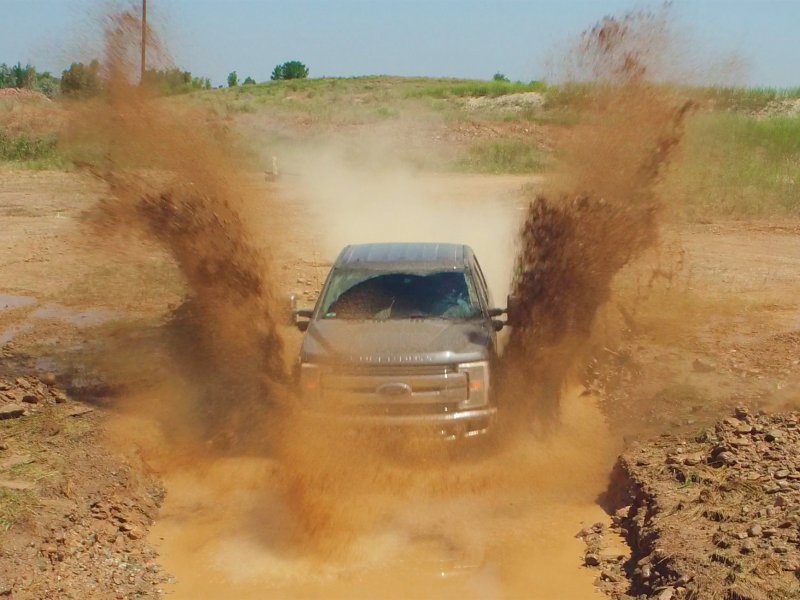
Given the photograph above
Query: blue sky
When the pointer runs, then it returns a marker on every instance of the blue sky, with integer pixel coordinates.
(450, 38)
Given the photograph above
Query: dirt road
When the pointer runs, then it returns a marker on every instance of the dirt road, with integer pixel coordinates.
(499, 526)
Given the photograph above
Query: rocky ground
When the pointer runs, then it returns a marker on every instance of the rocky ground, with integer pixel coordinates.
(710, 516)
(72, 514)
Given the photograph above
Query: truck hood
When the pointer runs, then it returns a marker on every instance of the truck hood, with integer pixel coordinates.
(429, 341)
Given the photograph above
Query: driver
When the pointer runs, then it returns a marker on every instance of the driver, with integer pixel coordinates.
(450, 296)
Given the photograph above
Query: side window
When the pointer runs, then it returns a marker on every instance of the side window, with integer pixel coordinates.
(483, 289)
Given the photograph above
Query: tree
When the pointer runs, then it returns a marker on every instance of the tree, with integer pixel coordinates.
(500, 77)
(17, 76)
(293, 69)
(249, 81)
(80, 79)
(6, 77)
(233, 79)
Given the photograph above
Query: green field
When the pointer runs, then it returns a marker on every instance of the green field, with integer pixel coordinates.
(740, 157)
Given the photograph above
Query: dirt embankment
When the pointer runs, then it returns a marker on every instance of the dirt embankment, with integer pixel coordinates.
(710, 516)
(79, 513)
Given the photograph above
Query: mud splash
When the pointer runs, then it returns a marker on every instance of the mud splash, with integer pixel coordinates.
(174, 179)
(601, 210)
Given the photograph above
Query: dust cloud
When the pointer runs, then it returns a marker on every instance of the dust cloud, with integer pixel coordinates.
(601, 208)
(294, 509)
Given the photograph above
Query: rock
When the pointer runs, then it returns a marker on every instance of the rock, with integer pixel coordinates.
(692, 460)
(774, 435)
(11, 411)
(666, 594)
(754, 530)
(748, 547)
(781, 474)
(30, 399)
(49, 378)
(591, 560)
(608, 576)
(725, 458)
(623, 513)
(80, 411)
(59, 396)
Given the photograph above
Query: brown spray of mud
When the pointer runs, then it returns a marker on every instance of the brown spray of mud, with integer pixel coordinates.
(173, 179)
(601, 209)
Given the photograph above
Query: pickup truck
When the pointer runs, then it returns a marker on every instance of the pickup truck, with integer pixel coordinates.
(402, 336)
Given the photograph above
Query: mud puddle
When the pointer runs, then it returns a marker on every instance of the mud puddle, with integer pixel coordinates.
(8, 301)
(225, 532)
(80, 318)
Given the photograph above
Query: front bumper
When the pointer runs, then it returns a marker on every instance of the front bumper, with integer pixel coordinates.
(450, 426)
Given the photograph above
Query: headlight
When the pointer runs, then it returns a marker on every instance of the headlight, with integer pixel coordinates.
(477, 381)
(309, 380)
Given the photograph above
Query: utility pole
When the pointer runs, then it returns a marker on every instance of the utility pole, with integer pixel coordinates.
(144, 40)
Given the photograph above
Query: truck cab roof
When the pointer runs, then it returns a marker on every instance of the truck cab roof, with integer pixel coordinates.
(405, 255)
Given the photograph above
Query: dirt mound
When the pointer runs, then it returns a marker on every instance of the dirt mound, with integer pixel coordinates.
(67, 504)
(507, 102)
(715, 516)
(22, 94)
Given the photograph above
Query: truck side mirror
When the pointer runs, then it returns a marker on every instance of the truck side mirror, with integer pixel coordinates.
(513, 311)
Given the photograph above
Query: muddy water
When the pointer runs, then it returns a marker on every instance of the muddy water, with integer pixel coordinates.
(224, 531)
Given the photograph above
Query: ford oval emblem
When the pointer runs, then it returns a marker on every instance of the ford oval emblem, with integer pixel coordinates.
(394, 389)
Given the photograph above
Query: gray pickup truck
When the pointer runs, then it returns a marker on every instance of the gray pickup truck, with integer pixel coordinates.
(402, 336)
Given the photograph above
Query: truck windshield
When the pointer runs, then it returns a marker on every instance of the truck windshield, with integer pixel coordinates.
(365, 294)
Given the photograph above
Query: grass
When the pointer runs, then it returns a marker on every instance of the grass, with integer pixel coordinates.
(470, 88)
(28, 149)
(504, 155)
(748, 99)
(739, 166)
(16, 506)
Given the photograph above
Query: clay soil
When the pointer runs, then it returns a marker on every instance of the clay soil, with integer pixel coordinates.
(708, 508)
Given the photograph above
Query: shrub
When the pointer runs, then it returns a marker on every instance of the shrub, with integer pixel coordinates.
(233, 79)
(249, 81)
(26, 148)
(47, 84)
(500, 77)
